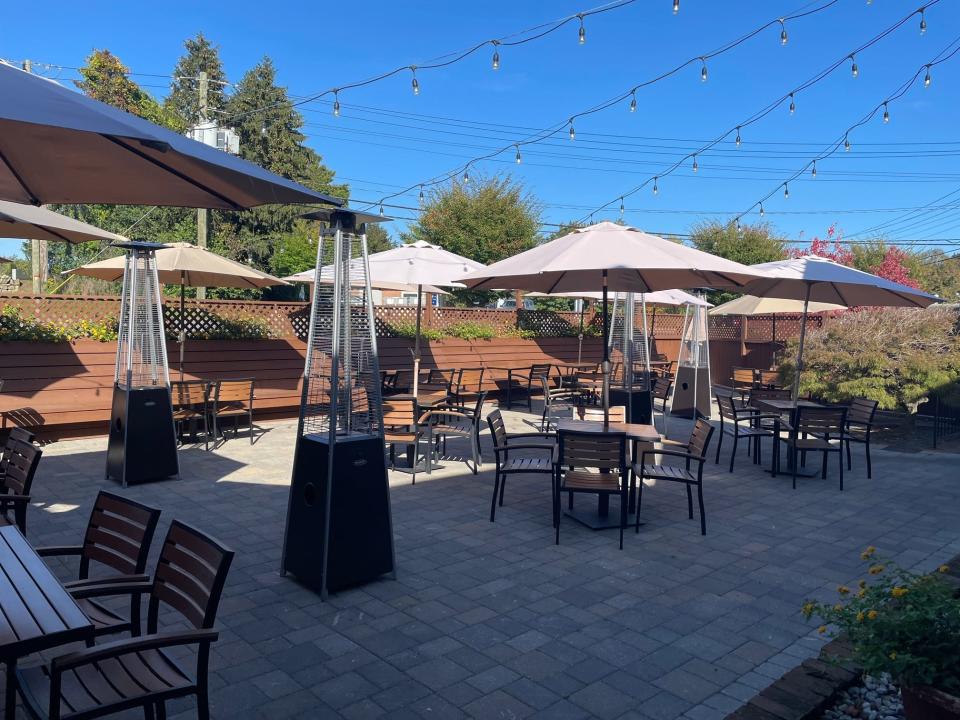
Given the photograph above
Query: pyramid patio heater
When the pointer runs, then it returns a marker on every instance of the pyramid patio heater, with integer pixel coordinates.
(691, 394)
(630, 354)
(142, 444)
(339, 529)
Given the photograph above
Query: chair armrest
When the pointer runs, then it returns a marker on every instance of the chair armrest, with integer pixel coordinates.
(669, 453)
(53, 550)
(758, 416)
(131, 645)
(111, 579)
(525, 446)
(15, 499)
(545, 435)
(443, 412)
(110, 588)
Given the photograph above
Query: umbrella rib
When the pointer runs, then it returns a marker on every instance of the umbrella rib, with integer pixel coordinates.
(54, 232)
(172, 171)
(34, 200)
(554, 286)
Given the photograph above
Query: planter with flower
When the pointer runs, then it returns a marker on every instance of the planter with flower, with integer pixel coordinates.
(904, 624)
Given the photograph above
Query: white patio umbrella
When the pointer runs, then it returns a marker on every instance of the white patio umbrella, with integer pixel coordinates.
(185, 264)
(612, 257)
(309, 276)
(753, 305)
(37, 223)
(816, 279)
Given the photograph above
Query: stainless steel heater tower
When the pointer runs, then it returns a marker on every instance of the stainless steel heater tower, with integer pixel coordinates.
(142, 443)
(630, 353)
(339, 531)
(691, 391)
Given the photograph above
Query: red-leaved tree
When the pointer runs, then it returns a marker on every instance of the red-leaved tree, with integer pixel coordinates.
(892, 267)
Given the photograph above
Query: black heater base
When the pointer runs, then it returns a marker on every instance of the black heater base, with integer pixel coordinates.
(358, 544)
(690, 380)
(142, 445)
(639, 408)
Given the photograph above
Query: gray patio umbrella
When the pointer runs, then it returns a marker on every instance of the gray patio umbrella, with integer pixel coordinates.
(34, 223)
(59, 146)
(816, 279)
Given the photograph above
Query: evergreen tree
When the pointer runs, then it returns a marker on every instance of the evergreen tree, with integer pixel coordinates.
(184, 99)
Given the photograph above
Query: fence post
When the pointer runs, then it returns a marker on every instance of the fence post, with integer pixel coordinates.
(743, 338)
(428, 311)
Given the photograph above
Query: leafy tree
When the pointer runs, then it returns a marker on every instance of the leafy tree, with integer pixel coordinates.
(749, 245)
(877, 257)
(486, 220)
(184, 98)
(378, 239)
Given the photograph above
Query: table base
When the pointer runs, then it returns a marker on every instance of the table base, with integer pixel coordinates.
(593, 518)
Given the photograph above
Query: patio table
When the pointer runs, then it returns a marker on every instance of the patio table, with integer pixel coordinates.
(600, 519)
(425, 400)
(779, 407)
(36, 611)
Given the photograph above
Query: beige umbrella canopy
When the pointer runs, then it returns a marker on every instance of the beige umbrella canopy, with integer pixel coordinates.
(309, 276)
(752, 305)
(184, 264)
(36, 223)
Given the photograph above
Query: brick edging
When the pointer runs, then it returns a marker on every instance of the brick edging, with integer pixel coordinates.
(812, 687)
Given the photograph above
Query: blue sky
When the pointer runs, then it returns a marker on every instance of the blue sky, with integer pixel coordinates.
(387, 138)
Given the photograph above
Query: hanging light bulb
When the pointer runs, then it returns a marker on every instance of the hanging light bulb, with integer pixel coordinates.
(572, 133)
(738, 141)
(813, 171)
(783, 33)
(656, 190)
(846, 143)
(518, 154)
(695, 166)
(633, 102)
(496, 56)
(793, 105)
(786, 192)
(621, 207)
(582, 35)
(381, 210)
(676, 6)
(415, 84)
(421, 195)
(336, 103)
(466, 174)
(736, 223)
(854, 70)
(263, 129)
(886, 114)
(926, 78)
(923, 22)
(761, 210)
(703, 70)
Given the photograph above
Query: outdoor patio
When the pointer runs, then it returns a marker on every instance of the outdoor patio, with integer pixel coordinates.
(492, 620)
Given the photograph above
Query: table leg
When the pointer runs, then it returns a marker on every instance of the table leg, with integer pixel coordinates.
(10, 702)
(603, 505)
(509, 389)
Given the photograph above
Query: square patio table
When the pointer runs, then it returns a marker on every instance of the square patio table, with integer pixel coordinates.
(36, 611)
(780, 407)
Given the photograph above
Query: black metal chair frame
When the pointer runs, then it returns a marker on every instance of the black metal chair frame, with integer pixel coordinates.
(503, 445)
(18, 463)
(441, 423)
(859, 427)
(806, 436)
(552, 394)
(531, 380)
(730, 424)
(216, 411)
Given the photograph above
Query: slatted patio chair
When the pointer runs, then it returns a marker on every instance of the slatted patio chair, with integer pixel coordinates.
(661, 392)
(437, 379)
(504, 444)
(742, 422)
(529, 382)
(401, 427)
(447, 421)
(555, 398)
(467, 387)
(744, 380)
(812, 429)
(695, 452)
(118, 538)
(860, 417)
(769, 379)
(141, 671)
(233, 399)
(191, 405)
(593, 463)
(20, 461)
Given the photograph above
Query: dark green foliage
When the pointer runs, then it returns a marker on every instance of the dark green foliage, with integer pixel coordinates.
(749, 245)
(184, 98)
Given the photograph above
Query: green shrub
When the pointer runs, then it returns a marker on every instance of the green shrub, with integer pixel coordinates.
(408, 330)
(471, 331)
(15, 327)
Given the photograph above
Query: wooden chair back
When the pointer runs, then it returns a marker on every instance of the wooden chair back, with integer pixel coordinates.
(16, 434)
(470, 380)
(618, 413)
(399, 412)
(728, 411)
(190, 575)
(661, 387)
(236, 392)
(769, 377)
(439, 377)
(700, 438)
(119, 534)
(768, 394)
(22, 459)
(820, 421)
(743, 378)
(861, 411)
(189, 392)
(21, 434)
(604, 451)
(498, 429)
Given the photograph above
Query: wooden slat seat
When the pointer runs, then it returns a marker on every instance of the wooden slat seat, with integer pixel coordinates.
(667, 472)
(528, 464)
(586, 480)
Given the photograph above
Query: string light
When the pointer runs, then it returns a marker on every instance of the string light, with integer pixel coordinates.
(886, 114)
(738, 141)
(582, 35)
(656, 190)
(421, 195)
(695, 166)
(676, 6)
(572, 133)
(633, 102)
(415, 84)
(336, 103)
(783, 32)
(786, 192)
(793, 105)
(703, 69)
(263, 129)
(381, 210)
(813, 171)
(621, 207)
(761, 210)
(923, 21)
(518, 154)
(496, 55)
(466, 174)
(736, 223)
(926, 78)
(846, 143)
(854, 70)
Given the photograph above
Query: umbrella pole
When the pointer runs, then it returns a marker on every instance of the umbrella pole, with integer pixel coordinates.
(606, 355)
(183, 332)
(803, 335)
(583, 307)
(416, 343)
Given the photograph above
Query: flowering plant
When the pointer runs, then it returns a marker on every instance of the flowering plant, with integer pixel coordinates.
(902, 623)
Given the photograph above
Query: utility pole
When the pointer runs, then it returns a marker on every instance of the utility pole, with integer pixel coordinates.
(203, 215)
(38, 248)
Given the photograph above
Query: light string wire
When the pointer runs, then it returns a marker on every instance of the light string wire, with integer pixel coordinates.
(759, 115)
(567, 124)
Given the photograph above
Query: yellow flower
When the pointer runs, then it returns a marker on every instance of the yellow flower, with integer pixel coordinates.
(807, 608)
(862, 583)
(893, 655)
(843, 590)
(862, 593)
(876, 569)
(822, 629)
(898, 592)
(872, 615)
(838, 607)
(860, 616)
(867, 553)
(943, 569)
